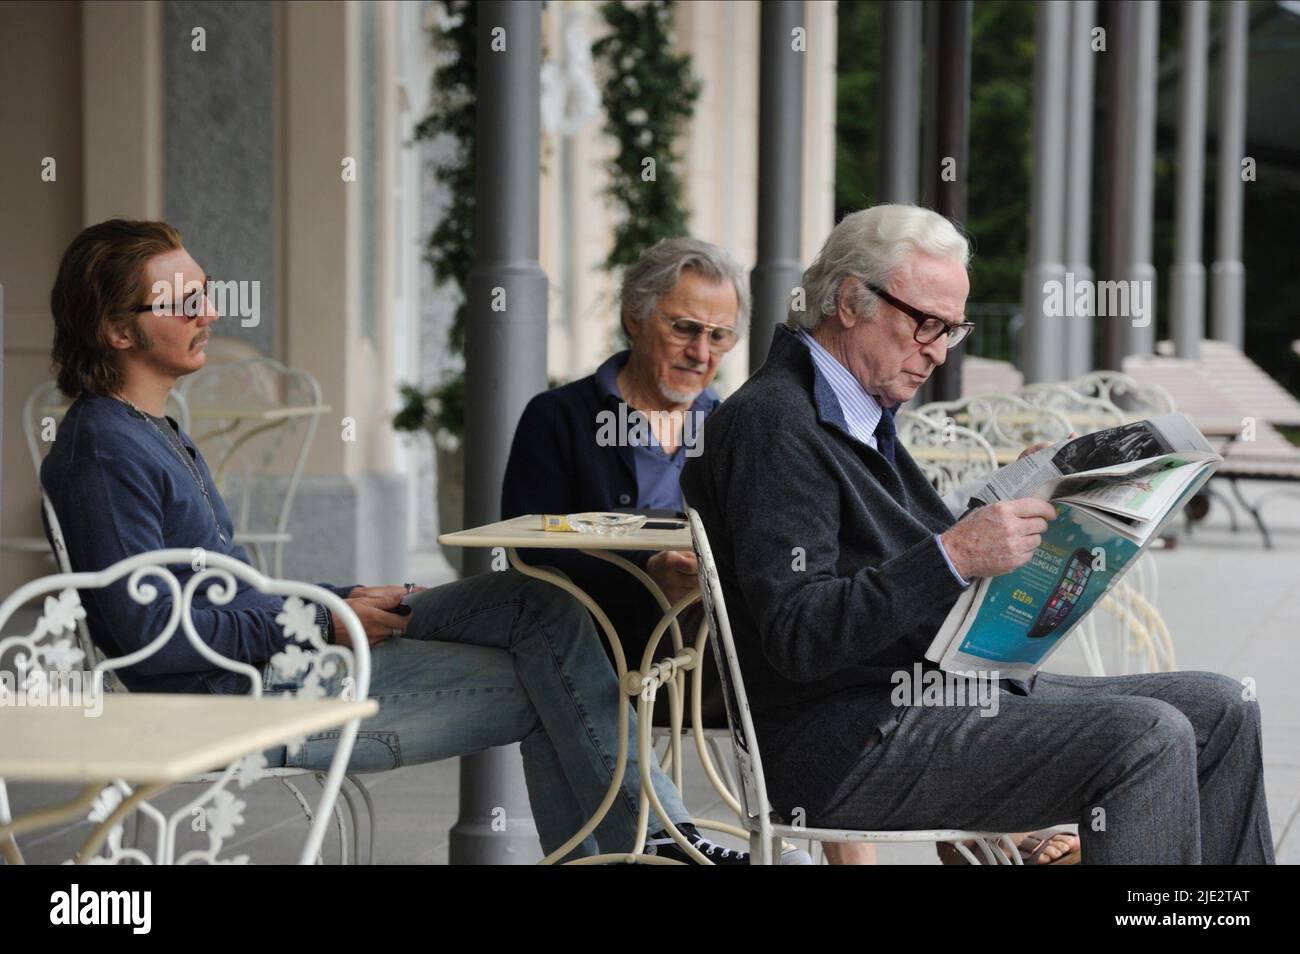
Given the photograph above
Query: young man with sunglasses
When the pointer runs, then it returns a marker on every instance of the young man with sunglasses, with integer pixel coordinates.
(482, 662)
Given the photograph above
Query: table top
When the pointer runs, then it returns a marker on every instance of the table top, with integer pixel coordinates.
(526, 531)
(157, 737)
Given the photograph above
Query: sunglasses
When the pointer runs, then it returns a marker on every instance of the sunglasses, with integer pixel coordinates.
(189, 308)
(928, 327)
(721, 338)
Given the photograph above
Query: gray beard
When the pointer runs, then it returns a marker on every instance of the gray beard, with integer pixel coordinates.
(678, 397)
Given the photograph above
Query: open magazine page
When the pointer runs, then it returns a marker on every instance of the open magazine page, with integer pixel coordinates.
(1012, 623)
(1115, 449)
(1143, 494)
(1115, 445)
(1019, 618)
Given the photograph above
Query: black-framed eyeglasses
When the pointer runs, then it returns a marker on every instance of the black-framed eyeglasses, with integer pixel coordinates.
(720, 338)
(189, 308)
(928, 327)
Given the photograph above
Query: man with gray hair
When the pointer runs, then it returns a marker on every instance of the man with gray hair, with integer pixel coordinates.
(839, 563)
(617, 439)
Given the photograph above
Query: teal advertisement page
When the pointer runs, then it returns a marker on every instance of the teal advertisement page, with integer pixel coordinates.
(1026, 612)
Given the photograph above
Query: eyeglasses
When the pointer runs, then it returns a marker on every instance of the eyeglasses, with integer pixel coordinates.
(929, 327)
(189, 308)
(721, 338)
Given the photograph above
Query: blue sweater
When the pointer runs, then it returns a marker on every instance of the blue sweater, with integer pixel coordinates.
(118, 489)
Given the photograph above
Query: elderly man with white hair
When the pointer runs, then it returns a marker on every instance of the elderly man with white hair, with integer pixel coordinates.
(839, 563)
(618, 438)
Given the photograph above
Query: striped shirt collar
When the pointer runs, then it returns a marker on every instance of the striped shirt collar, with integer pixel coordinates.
(861, 411)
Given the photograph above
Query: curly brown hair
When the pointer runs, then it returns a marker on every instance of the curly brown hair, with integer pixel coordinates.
(101, 279)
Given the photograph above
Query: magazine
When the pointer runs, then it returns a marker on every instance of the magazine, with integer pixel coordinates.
(1113, 491)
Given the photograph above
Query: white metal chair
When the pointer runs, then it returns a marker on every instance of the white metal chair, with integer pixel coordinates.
(312, 656)
(1007, 422)
(1128, 629)
(257, 418)
(42, 411)
(1086, 414)
(758, 818)
(46, 405)
(948, 454)
(1135, 399)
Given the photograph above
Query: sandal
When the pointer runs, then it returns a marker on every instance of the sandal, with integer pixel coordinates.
(1030, 847)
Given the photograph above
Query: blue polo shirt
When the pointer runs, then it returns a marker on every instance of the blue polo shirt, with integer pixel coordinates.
(658, 474)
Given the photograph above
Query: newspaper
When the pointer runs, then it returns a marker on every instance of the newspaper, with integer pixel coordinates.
(1113, 491)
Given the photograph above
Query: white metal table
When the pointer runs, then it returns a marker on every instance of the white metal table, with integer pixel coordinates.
(642, 683)
(151, 741)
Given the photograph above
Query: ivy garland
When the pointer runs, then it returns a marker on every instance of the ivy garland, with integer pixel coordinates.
(449, 249)
(649, 95)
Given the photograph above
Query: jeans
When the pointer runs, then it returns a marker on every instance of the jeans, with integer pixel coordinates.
(495, 659)
(1157, 768)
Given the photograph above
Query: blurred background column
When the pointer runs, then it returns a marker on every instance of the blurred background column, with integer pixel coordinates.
(1078, 180)
(1187, 274)
(1228, 272)
(900, 105)
(947, 140)
(1043, 342)
(1118, 172)
(1139, 324)
(780, 170)
(505, 365)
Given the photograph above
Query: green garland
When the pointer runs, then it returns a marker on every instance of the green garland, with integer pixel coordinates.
(450, 247)
(649, 94)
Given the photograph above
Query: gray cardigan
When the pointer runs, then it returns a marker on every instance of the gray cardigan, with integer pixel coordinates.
(829, 565)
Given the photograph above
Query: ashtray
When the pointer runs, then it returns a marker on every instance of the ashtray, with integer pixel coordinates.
(606, 524)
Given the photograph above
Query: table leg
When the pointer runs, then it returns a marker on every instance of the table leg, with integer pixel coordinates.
(620, 666)
(644, 747)
(644, 684)
(127, 805)
(45, 817)
(676, 690)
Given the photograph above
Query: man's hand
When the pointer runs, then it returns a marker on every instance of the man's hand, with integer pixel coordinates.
(995, 539)
(393, 594)
(374, 606)
(675, 572)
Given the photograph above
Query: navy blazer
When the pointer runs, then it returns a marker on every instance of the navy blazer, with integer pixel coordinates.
(557, 467)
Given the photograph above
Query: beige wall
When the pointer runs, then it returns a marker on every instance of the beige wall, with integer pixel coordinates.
(321, 221)
(40, 97)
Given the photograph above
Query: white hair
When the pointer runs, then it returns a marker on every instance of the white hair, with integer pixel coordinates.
(868, 246)
(659, 269)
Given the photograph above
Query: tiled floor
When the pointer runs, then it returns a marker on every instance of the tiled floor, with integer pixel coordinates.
(1232, 607)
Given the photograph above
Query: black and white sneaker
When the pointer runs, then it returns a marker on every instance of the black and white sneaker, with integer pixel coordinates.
(662, 844)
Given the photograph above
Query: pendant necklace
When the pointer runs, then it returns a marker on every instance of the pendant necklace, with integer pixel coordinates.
(188, 464)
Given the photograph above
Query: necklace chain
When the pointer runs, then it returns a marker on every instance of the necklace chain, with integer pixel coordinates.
(188, 464)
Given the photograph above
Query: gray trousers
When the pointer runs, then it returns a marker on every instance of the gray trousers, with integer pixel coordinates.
(1163, 768)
